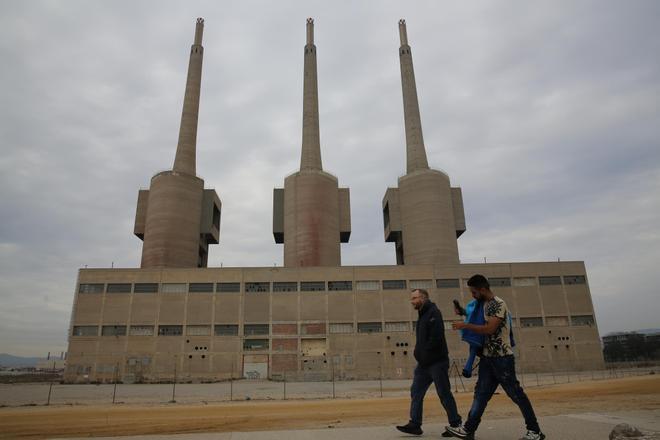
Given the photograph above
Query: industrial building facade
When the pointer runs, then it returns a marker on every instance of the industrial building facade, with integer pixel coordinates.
(312, 319)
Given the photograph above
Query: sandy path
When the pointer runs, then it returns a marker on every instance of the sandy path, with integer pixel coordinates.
(59, 421)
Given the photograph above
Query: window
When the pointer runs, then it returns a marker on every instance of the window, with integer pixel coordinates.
(574, 279)
(447, 283)
(531, 322)
(312, 329)
(550, 281)
(587, 320)
(145, 288)
(524, 282)
(257, 287)
(255, 344)
(170, 330)
(198, 330)
(397, 327)
(394, 284)
(420, 284)
(255, 329)
(113, 330)
(370, 327)
(367, 285)
(341, 328)
(200, 287)
(500, 282)
(119, 288)
(226, 330)
(386, 215)
(141, 330)
(556, 321)
(340, 285)
(312, 286)
(173, 288)
(91, 288)
(285, 286)
(228, 287)
(85, 330)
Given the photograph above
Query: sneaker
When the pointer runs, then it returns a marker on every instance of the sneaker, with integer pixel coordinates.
(410, 428)
(460, 432)
(532, 435)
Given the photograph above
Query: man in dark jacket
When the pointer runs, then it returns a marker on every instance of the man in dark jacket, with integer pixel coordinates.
(432, 358)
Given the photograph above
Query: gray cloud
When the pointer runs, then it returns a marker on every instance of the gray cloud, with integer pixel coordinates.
(545, 114)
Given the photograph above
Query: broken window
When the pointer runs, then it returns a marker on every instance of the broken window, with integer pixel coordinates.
(170, 330)
(312, 286)
(285, 286)
(370, 327)
(91, 288)
(447, 283)
(228, 287)
(145, 288)
(394, 284)
(255, 329)
(257, 287)
(226, 330)
(85, 330)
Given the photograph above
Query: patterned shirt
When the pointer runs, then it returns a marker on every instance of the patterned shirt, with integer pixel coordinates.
(499, 343)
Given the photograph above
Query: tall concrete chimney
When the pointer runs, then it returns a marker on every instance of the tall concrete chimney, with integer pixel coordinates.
(184, 161)
(176, 217)
(424, 215)
(311, 214)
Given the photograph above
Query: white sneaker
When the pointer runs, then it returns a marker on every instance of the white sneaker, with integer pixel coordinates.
(460, 432)
(531, 435)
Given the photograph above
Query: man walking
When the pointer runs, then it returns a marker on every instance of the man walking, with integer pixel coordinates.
(432, 364)
(497, 365)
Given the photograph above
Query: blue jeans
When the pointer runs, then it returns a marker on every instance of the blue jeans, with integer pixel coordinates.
(494, 371)
(438, 374)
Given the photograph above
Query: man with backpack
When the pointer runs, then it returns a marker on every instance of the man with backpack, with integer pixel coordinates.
(497, 365)
(432, 358)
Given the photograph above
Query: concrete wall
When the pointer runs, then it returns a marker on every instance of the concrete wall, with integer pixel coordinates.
(315, 334)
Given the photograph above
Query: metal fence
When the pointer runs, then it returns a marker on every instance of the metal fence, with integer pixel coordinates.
(31, 394)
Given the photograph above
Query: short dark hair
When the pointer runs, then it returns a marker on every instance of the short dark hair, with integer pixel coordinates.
(424, 292)
(478, 282)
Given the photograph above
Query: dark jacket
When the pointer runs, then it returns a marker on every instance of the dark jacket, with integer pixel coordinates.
(431, 346)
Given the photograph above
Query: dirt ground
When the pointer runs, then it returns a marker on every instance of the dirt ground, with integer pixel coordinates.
(634, 393)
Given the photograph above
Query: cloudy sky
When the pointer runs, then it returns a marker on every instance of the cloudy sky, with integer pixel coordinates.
(547, 114)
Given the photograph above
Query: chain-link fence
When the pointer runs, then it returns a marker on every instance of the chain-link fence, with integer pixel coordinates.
(279, 388)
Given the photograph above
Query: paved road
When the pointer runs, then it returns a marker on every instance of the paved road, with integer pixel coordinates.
(586, 426)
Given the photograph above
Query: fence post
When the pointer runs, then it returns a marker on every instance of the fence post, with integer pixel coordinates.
(50, 387)
(284, 385)
(231, 383)
(381, 378)
(174, 382)
(332, 366)
(537, 378)
(114, 391)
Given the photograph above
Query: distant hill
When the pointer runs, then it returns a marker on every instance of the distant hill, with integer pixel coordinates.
(8, 360)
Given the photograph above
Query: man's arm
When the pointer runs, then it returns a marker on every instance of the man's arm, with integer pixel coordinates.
(487, 329)
(437, 330)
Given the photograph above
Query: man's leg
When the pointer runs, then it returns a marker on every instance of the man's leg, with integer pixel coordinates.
(486, 386)
(421, 382)
(505, 371)
(440, 374)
